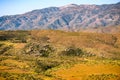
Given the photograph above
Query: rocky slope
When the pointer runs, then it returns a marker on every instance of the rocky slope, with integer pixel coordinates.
(70, 17)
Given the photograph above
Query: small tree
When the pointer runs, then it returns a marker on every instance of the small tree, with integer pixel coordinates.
(72, 51)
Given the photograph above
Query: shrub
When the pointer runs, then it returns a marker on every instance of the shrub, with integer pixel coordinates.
(5, 48)
(42, 66)
(1, 44)
(72, 51)
(44, 38)
(46, 50)
(38, 49)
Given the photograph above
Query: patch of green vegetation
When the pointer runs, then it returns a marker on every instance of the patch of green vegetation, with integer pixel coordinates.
(5, 48)
(14, 36)
(38, 49)
(1, 44)
(72, 51)
(42, 66)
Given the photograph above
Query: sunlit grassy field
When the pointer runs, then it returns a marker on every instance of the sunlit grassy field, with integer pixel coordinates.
(59, 55)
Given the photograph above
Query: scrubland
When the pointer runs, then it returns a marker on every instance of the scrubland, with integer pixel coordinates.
(59, 55)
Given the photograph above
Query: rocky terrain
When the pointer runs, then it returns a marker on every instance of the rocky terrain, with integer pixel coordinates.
(71, 17)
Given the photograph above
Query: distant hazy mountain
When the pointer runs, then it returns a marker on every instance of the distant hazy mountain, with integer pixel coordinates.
(70, 17)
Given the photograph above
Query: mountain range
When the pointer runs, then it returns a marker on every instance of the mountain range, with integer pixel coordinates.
(71, 17)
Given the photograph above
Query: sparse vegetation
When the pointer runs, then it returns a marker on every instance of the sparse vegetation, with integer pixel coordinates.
(59, 55)
(103, 77)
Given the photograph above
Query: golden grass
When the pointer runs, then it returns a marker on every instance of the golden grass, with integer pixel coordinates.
(4, 67)
(15, 63)
(19, 45)
(1, 78)
(17, 71)
(97, 42)
(80, 71)
(13, 66)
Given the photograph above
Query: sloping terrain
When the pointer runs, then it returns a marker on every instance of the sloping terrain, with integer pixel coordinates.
(59, 55)
(70, 17)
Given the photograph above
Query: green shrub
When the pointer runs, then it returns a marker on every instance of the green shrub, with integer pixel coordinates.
(1, 44)
(46, 50)
(72, 51)
(5, 48)
(42, 66)
(38, 49)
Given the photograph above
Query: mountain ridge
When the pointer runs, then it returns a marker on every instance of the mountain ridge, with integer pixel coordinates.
(71, 17)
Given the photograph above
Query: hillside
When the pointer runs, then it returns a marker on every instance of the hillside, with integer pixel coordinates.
(70, 17)
(59, 55)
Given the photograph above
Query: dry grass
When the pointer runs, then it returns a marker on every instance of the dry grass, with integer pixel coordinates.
(19, 64)
(19, 45)
(102, 45)
(80, 71)
(1, 78)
